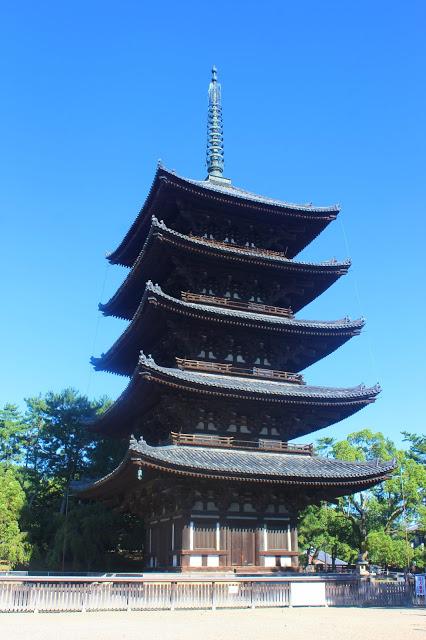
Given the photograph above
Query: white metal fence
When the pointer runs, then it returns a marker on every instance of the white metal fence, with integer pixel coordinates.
(148, 593)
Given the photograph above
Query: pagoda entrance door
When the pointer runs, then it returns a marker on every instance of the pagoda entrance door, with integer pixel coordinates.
(242, 542)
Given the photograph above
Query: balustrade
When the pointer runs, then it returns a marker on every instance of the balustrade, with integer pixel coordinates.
(231, 303)
(229, 442)
(230, 369)
(232, 245)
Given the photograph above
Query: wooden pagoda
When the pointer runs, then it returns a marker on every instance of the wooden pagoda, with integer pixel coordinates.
(210, 412)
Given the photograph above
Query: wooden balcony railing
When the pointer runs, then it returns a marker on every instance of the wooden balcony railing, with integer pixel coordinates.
(240, 247)
(231, 303)
(230, 369)
(229, 442)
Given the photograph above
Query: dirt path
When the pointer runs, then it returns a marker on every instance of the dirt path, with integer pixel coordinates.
(260, 624)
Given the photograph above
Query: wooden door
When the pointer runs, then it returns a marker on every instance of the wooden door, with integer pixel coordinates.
(242, 543)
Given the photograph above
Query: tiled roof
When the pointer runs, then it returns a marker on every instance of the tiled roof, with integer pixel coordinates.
(337, 332)
(319, 216)
(338, 476)
(260, 464)
(278, 321)
(328, 270)
(246, 252)
(236, 192)
(248, 386)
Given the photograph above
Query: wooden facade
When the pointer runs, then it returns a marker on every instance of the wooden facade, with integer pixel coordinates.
(212, 538)
(211, 471)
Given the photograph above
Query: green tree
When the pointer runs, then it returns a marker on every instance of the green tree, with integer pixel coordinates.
(58, 424)
(389, 505)
(419, 557)
(324, 528)
(12, 435)
(46, 449)
(387, 551)
(61, 449)
(13, 546)
(417, 449)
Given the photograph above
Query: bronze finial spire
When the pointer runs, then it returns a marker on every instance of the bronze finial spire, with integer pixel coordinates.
(215, 156)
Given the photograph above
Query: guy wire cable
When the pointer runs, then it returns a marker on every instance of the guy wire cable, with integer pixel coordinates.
(352, 272)
(98, 319)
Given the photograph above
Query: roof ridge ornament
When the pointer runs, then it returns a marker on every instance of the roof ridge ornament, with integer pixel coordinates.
(215, 154)
(158, 223)
(146, 359)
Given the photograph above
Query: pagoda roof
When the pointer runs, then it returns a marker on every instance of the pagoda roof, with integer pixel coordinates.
(149, 380)
(124, 302)
(216, 194)
(210, 462)
(271, 389)
(122, 356)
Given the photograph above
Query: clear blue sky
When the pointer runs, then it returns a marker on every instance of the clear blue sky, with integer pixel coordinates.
(323, 102)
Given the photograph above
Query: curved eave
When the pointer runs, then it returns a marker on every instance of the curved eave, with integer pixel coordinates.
(208, 191)
(254, 388)
(149, 378)
(160, 234)
(358, 476)
(337, 476)
(132, 340)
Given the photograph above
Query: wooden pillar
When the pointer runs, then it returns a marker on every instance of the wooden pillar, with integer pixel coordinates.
(186, 545)
(294, 543)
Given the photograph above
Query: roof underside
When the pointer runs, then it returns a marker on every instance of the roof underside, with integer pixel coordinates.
(168, 187)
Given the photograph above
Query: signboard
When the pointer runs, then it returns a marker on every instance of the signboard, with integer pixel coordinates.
(307, 594)
(420, 583)
(233, 588)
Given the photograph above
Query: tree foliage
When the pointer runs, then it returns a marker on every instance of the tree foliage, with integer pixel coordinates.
(388, 551)
(380, 515)
(14, 548)
(45, 448)
(12, 435)
(326, 529)
(417, 449)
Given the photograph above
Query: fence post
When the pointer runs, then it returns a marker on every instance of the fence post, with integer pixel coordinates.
(83, 598)
(213, 596)
(252, 595)
(173, 588)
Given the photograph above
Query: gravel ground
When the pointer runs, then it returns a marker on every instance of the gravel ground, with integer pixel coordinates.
(259, 624)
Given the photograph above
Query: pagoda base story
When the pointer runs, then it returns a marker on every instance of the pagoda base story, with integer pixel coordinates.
(199, 516)
(216, 528)
(242, 546)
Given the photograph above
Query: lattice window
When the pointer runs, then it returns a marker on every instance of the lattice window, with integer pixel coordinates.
(233, 423)
(243, 426)
(206, 420)
(269, 426)
(277, 536)
(204, 536)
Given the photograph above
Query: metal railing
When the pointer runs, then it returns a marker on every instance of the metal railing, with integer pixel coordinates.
(179, 592)
(230, 369)
(231, 303)
(229, 442)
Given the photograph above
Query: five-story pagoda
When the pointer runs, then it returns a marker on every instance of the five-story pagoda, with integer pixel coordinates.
(211, 294)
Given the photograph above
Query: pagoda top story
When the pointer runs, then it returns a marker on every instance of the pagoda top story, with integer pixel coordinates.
(217, 194)
(169, 191)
